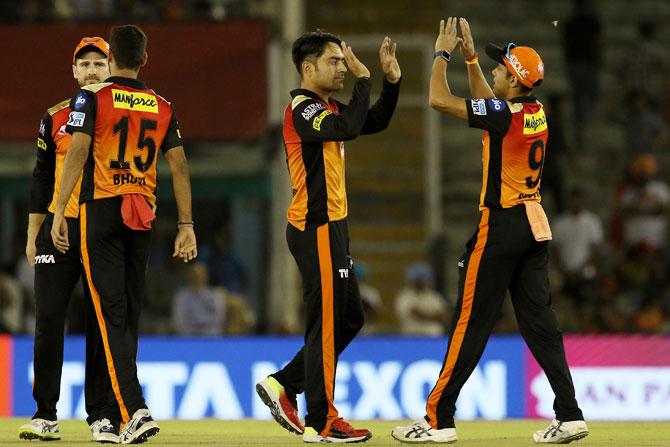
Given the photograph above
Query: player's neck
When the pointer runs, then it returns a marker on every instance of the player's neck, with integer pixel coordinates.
(323, 94)
(124, 73)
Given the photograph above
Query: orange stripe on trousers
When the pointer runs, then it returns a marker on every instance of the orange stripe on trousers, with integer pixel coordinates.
(327, 322)
(101, 320)
(463, 319)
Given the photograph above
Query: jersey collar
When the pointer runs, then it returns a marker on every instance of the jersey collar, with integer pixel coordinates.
(529, 98)
(310, 94)
(127, 82)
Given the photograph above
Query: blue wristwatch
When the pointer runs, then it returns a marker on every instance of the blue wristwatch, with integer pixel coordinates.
(444, 54)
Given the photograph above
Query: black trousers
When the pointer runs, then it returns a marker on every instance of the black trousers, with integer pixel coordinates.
(115, 261)
(502, 255)
(333, 317)
(56, 275)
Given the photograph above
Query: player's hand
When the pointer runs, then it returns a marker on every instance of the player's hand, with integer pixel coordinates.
(59, 234)
(31, 250)
(447, 38)
(388, 60)
(185, 246)
(353, 64)
(467, 44)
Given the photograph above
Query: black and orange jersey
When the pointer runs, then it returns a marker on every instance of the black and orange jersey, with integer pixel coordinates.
(513, 150)
(314, 135)
(52, 145)
(127, 122)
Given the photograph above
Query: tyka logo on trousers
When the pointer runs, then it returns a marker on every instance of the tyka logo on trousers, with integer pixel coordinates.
(344, 273)
(45, 259)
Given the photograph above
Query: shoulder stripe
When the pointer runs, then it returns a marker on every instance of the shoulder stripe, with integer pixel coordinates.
(96, 87)
(514, 107)
(297, 100)
(58, 107)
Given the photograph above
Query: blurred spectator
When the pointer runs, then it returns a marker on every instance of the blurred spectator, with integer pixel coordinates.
(582, 46)
(240, 319)
(577, 235)
(611, 308)
(643, 206)
(371, 298)
(420, 310)
(225, 268)
(643, 125)
(11, 304)
(645, 66)
(555, 154)
(198, 309)
(25, 277)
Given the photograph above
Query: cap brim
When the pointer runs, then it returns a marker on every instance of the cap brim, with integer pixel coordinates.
(494, 52)
(86, 48)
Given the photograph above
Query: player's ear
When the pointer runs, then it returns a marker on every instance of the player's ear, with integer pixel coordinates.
(74, 71)
(145, 58)
(306, 68)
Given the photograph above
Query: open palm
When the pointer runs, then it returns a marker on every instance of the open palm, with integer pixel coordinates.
(388, 60)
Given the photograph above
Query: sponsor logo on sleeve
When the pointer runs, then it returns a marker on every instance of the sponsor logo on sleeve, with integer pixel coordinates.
(478, 107)
(311, 110)
(42, 128)
(497, 105)
(135, 101)
(76, 119)
(534, 123)
(41, 144)
(317, 121)
(80, 101)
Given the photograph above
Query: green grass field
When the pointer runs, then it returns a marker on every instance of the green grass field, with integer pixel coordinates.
(268, 433)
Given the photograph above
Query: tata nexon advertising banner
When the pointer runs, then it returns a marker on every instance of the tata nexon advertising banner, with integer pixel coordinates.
(386, 378)
(616, 378)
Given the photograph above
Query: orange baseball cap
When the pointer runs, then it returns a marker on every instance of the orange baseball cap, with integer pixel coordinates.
(523, 62)
(91, 43)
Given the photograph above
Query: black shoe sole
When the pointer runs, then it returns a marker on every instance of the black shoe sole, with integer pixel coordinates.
(32, 436)
(141, 439)
(576, 437)
(274, 410)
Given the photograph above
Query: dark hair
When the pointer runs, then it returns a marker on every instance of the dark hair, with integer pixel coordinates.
(128, 43)
(311, 44)
(525, 90)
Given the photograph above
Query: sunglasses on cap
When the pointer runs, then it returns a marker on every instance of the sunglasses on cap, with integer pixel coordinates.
(509, 48)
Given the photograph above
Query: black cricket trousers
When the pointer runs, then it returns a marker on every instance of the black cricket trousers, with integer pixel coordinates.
(333, 317)
(502, 255)
(115, 261)
(56, 275)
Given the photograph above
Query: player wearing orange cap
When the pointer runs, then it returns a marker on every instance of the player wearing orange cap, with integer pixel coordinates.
(56, 274)
(509, 249)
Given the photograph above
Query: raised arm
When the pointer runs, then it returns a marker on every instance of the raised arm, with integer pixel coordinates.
(380, 114)
(440, 96)
(479, 88)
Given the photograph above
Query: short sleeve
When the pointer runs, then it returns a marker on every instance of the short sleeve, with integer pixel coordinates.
(83, 108)
(173, 136)
(492, 115)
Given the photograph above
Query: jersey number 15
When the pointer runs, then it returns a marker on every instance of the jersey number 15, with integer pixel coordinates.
(142, 141)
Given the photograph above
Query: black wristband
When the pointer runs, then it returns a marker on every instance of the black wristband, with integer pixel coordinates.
(187, 222)
(444, 54)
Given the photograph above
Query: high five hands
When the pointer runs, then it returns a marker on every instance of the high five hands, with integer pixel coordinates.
(447, 38)
(388, 60)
